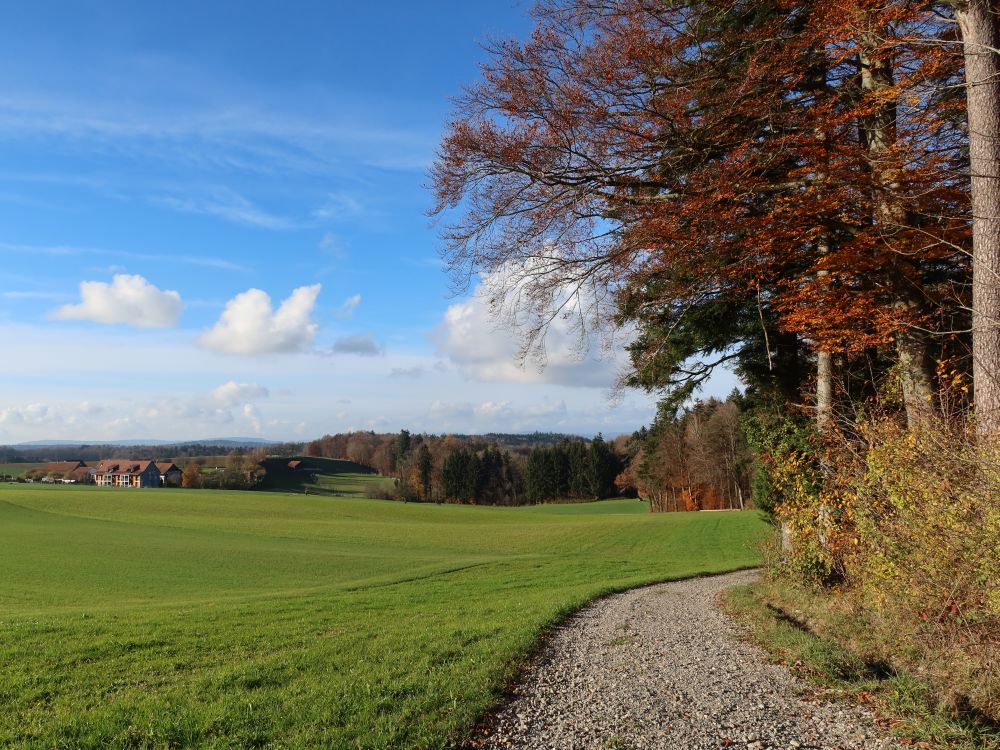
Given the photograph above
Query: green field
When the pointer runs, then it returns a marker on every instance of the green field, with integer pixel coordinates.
(17, 470)
(159, 618)
(335, 477)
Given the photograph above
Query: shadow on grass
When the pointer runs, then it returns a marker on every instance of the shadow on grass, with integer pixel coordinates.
(910, 705)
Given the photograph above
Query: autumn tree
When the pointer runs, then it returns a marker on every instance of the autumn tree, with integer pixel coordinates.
(713, 162)
(191, 476)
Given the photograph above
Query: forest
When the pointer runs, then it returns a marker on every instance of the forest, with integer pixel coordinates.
(481, 469)
(694, 458)
(807, 193)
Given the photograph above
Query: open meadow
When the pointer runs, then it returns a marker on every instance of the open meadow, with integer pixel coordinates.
(333, 476)
(18, 469)
(170, 618)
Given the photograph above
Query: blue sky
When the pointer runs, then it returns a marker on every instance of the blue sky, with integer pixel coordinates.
(213, 222)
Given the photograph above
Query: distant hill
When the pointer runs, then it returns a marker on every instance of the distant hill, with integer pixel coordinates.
(229, 442)
(530, 438)
(59, 450)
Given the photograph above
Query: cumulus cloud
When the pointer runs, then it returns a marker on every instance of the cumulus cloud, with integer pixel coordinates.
(127, 299)
(493, 409)
(21, 414)
(362, 345)
(482, 349)
(253, 418)
(139, 416)
(349, 305)
(250, 325)
(232, 393)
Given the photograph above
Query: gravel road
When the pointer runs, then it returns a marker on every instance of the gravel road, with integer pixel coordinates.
(661, 667)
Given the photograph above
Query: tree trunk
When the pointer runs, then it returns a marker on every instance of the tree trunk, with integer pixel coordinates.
(915, 376)
(824, 391)
(879, 131)
(824, 362)
(981, 39)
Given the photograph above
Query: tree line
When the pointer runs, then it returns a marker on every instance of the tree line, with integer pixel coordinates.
(483, 469)
(692, 458)
(706, 468)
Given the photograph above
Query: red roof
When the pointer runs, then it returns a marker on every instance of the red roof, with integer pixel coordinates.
(123, 466)
(61, 467)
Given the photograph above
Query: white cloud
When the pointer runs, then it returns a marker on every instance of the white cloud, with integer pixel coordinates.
(232, 393)
(253, 417)
(362, 344)
(483, 349)
(201, 260)
(32, 413)
(492, 409)
(548, 409)
(226, 204)
(127, 299)
(250, 325)
(349, 305)
(338, 206)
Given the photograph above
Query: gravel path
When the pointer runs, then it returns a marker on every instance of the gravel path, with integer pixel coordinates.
(661, 667)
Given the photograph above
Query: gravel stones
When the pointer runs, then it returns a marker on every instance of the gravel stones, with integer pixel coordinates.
(662, 667)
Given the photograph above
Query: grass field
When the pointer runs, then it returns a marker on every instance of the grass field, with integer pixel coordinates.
(159, 618)
(335, 477)
(17, 470)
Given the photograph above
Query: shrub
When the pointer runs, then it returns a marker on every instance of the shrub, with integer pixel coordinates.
(928, 553)
(906, 524)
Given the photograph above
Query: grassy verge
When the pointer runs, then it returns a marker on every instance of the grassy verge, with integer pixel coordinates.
(827, 647)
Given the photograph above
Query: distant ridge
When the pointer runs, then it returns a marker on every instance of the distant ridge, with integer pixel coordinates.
(229, 442)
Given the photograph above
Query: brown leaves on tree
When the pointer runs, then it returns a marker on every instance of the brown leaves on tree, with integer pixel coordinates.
(674, 153)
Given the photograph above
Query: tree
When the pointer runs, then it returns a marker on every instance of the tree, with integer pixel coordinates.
(425, 467)
(977, 20)
(191, 476)
(403, 442)
(692, 162)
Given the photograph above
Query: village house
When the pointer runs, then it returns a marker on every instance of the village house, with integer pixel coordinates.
(170, 473)
(81, 475)
(127, 472)
(65, 472)
(60, 468)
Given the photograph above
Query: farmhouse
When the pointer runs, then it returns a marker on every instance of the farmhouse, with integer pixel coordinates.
(64, 472)
(59, 468)
(127, 472)
(170, 473)
(82, 475)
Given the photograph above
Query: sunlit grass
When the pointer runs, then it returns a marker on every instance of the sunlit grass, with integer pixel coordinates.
(169, 618)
